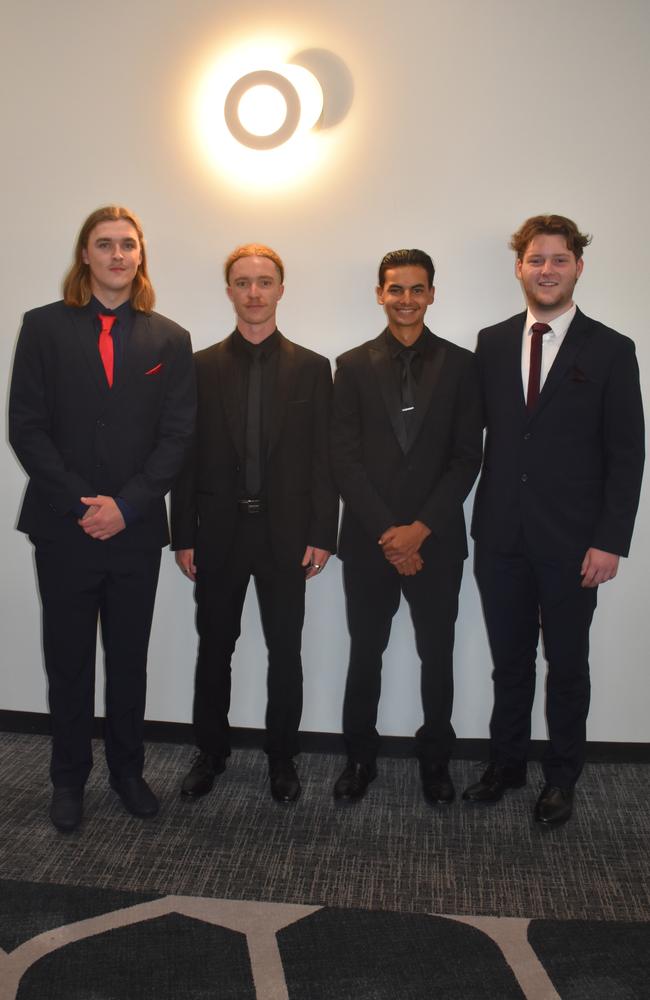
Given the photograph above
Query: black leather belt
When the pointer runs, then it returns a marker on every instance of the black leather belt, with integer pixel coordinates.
(255, 506)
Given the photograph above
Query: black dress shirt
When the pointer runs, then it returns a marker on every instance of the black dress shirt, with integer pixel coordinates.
(244, 352)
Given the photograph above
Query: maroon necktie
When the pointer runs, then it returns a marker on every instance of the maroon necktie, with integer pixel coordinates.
(535, 369)
(106, 345)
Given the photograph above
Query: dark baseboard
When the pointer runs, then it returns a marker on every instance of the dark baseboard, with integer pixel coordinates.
(391, 746)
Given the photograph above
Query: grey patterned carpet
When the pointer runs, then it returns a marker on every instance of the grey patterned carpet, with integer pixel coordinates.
(236, 896)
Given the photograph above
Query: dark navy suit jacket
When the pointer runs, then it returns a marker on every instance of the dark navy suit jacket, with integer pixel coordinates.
(77, 437)
(567, 475)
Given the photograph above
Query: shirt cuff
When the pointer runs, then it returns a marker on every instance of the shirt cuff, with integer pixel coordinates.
(128, 513)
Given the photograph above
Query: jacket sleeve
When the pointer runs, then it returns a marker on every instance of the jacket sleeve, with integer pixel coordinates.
(623, 435)
(350, 474)
(174, 435)
(183, 512)
(325, 499)
(465, 454)
(31, 407)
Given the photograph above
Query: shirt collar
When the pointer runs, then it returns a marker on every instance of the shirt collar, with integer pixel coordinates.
(419, 347)
(123, 313)
(559, 325)
(265, 348)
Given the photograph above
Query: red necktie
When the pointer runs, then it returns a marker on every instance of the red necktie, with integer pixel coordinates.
(535, 369)
(106, 345)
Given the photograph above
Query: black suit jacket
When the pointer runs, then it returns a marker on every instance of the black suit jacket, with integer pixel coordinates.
(302, 500)
(77, 437)
(385, 479)
(568, 474)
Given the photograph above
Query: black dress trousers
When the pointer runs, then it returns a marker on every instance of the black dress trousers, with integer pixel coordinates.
(220, 593)
(82, 580)
(373, 591)
(522, 593)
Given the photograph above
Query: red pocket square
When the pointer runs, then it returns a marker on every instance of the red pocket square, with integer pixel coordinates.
(155, 369)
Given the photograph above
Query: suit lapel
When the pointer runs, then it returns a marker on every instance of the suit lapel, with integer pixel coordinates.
(231, 388)
(82, 322)
(136, 353)
(571, 345)
(432, 363)
(283, 390)
(382, 367)
(512, 359)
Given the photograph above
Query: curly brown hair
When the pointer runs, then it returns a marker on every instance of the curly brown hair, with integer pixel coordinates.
(553, 225)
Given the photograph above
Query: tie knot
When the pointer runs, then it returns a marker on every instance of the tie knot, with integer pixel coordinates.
(407, 355)
(540, 328)
(107, 322)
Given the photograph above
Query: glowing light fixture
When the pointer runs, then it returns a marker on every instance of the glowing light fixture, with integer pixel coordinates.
(262, 110)
(262, 114)
(251, 88)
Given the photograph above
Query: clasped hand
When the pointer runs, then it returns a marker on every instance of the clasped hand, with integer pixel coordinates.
(103, 519)
(401, 545)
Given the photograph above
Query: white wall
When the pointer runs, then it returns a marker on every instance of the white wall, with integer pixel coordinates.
(468, 117)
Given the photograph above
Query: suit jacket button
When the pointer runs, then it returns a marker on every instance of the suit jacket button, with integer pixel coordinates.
(527, 436)
(524, 477)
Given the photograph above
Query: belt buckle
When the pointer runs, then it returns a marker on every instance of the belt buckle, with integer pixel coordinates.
(253, 506)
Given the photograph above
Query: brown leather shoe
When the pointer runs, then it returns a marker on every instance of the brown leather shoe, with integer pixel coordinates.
(554, 805)
(495, 782)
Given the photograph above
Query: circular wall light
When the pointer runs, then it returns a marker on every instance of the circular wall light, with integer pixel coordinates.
(244, 86)
(263, 113)
(262, 109)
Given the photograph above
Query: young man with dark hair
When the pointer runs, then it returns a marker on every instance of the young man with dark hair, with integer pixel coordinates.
(101, 414)
(555, 505)
(406, 448)
(255, 499)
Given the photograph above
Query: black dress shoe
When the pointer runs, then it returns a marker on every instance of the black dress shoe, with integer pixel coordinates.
(495, 781)
(66, 808)
(353, 783)
(437, 786)
(137, 798)
(285, 784)
(200, 777)
(554, 805)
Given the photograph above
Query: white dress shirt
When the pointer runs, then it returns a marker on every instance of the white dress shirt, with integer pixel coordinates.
(551, 343)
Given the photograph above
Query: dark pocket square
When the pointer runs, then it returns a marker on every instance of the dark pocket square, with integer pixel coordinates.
(155, 369)
(577, 375)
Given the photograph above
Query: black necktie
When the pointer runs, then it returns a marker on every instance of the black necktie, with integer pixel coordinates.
(535, 369)
(254, 427)
(407, 357)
